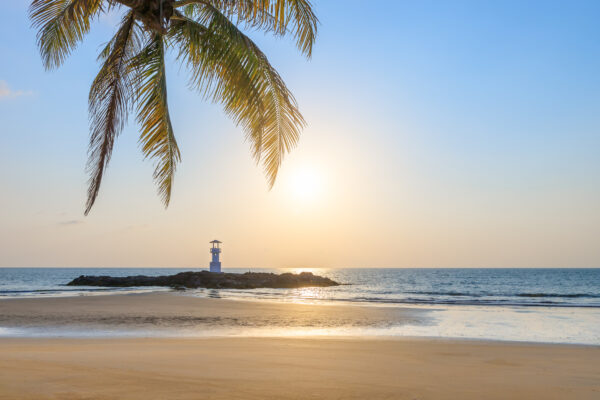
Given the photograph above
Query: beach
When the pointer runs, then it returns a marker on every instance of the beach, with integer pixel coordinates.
(129, 347)
(286, 368)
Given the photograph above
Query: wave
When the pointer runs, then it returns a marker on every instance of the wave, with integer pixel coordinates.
(471, 302)
(55, 290)
(450, 293)
(71, 292)
(567, 295)
(479, 295)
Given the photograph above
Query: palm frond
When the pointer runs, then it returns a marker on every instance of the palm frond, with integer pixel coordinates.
(62, 25)
(226, 67)
(110, 98)
(229, 68)
(278, 16)
(156, 137)
(209, 63)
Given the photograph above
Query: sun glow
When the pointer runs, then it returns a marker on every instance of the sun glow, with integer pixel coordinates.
(306, 184)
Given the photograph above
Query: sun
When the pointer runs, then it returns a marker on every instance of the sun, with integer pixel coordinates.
(305, 184)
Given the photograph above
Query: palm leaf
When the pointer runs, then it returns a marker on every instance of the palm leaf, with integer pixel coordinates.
(109, 101)
(277, 16)
(229, 68)
(221, 76)
(62, 25)
(156, 138)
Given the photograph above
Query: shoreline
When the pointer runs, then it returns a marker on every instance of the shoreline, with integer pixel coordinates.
(340, 338)
(197, 293)
(283, 300)
(178, 315)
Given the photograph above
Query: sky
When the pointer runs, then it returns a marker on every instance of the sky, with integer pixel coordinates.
(439, 134)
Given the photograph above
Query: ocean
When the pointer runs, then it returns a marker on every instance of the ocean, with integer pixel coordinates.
(547, 287)
(540, 305)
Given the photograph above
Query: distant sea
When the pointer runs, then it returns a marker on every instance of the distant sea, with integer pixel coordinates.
(533, 305)
(539, 287)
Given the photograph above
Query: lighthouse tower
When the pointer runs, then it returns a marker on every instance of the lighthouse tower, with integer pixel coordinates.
(215, 251)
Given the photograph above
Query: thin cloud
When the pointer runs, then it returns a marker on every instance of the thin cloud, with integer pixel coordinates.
(7, 93)
(71, 222)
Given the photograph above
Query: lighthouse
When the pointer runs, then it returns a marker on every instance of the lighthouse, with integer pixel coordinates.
(215, 251)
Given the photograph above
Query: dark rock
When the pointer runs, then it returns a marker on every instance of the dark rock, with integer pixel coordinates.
(210, 280)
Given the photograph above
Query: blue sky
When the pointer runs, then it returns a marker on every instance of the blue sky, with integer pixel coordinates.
(440, 133)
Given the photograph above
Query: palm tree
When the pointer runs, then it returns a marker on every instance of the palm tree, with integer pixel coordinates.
(225, 66)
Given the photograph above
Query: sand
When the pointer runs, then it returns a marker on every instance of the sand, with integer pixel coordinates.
(173, 313)
(261, 368)
(268, 368)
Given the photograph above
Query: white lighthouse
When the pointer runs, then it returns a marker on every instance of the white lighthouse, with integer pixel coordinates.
(215, 251)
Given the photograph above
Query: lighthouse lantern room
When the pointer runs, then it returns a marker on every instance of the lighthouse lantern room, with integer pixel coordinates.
(215, 251)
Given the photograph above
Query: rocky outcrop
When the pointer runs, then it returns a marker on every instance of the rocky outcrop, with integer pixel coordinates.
(210, 280)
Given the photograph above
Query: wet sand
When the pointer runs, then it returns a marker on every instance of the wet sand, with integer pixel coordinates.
(173, 314)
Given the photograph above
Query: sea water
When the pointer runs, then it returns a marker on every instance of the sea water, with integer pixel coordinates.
(556, 287)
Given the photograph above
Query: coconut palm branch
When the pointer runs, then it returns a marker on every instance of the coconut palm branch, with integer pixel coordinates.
(110, 100)
(279, 17)
(225, 66)
(229, 68)
(62, 25)
(157, 138)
